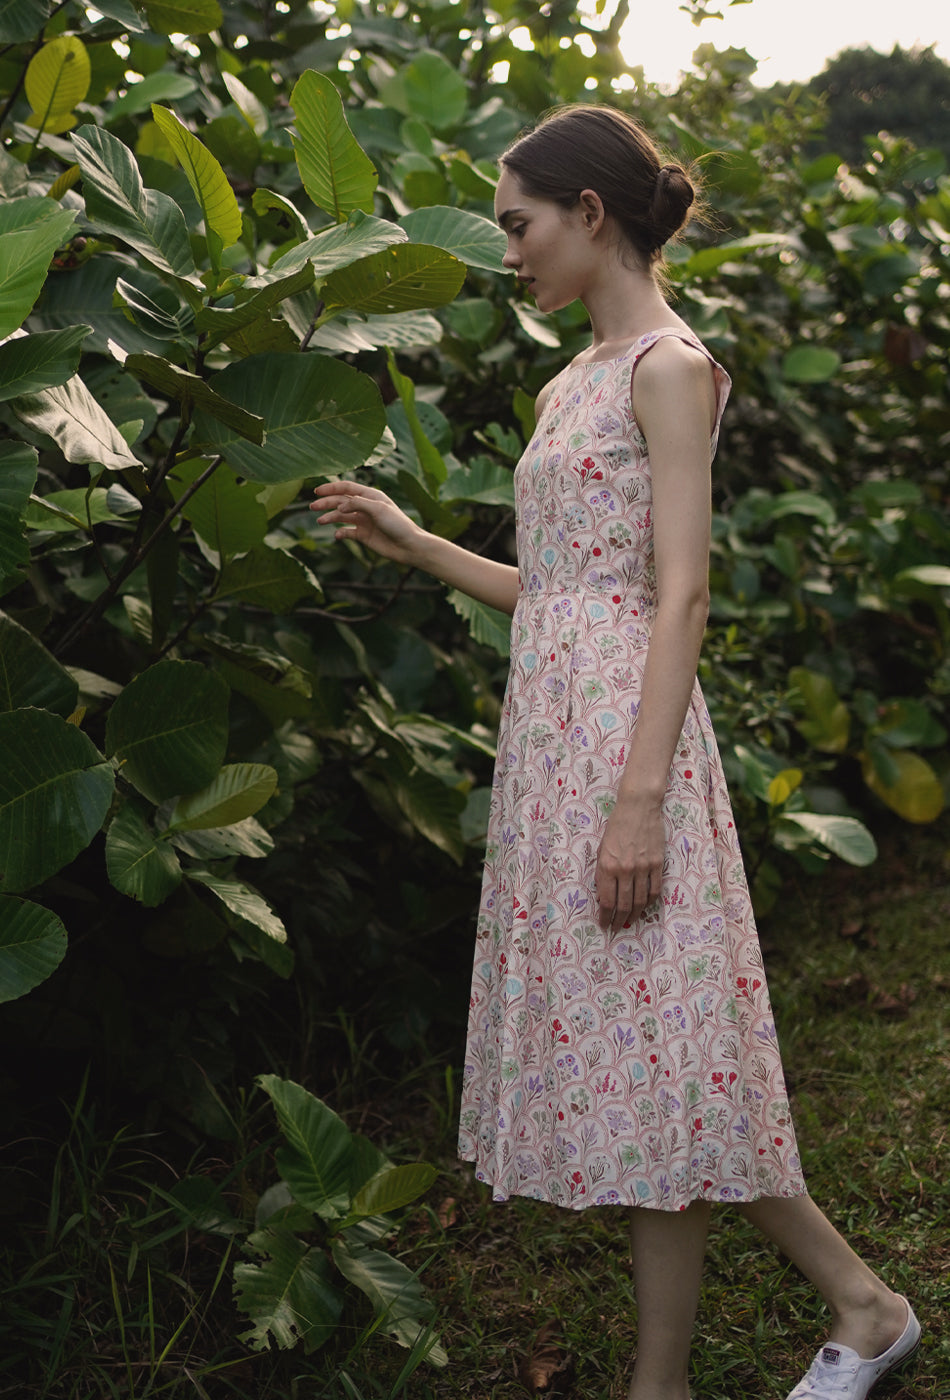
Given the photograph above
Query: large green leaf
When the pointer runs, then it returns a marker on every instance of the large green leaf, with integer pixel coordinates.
(429, 88)
(167, 85)
(118, 202)
(334, 248)
(55, 791)
(404, 1312)
(246, 838)
(31, 229)
(845, 837)
(268, 578)
(87, 295)
(394, 1187)
(30, 675)
(221, 324)
(487, 625)
(256, 921)
(336, 173)
(317, 1158)
(226, 513)
(472, 239)
(32, 362)
(32, 945)
(914, 792)
(81, 429)
(169, 728)
(700, 264)
(21, 20)
(482, 480)
(408, 277)
(238, 791)
(290, 1296)
(827, 724)
(322, 416)
(183, 16)
(138, 863)
(191, 391)
(209, 182)
(810, 364)
(57, 77)
(156, 308)
(18, 465)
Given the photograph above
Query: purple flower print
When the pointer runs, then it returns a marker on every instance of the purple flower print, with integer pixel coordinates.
(576, 902)
(626, 1038)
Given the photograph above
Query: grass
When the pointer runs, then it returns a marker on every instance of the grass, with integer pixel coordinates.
(107, 1293)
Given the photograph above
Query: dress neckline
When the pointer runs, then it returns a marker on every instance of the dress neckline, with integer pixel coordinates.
(683, 331)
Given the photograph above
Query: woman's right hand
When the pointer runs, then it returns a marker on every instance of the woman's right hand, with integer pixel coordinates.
(365, 514)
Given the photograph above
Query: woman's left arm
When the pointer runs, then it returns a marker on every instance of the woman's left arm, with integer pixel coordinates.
(675, 406)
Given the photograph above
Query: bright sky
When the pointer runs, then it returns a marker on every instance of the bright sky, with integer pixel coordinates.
(792, 39)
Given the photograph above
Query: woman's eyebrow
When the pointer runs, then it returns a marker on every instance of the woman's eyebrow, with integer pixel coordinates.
(509, 214)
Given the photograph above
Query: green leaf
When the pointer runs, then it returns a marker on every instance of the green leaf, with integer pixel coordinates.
(183, 16)
(336, 173)
(219, 208)
(55, 791)
(482, 480)
(845, 837)
(167, 85)
(930, 575)
(124, 13)
(430, 458)
(488, 626)
(268, 578)
(79, 508)
(32, 946)
(219, 324)
(394, 1187)
(291, 1296)
(810, 364)
(317, 1159)
(246, 838)
(254, 916)
(57, 78)
(914, 792)
(429, 88)
(32, 362)
(82, 430)
(87, 295)
(30, 675)
(193, 392)
(169, 729)
(475, 241)
(22, 20)
(138, 863)
(827, 725)
(322, 416)
(226, 513)
(18, 466)
(405, 1313)
(709, 259)
(238, 791)
(334, 248)
(408, 277)
(118, 203)
(155, 308)
(31, 229)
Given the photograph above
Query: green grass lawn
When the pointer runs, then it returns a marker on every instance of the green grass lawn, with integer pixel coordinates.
(859, 968)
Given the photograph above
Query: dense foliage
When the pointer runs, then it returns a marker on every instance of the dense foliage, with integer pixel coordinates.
(244, 249)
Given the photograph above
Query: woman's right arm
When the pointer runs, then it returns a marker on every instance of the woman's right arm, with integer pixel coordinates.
(368, 515)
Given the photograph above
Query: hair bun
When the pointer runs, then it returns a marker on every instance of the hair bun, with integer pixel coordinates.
(673, 195)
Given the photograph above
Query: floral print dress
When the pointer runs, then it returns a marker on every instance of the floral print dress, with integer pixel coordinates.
(639, 1068)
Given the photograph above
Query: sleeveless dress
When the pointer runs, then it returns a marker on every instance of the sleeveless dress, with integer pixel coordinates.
(641, 1067)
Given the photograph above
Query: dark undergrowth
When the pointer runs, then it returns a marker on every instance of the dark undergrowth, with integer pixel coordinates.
(108, 1291)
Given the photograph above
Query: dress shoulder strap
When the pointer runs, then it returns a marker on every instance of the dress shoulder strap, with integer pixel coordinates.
(722, 380)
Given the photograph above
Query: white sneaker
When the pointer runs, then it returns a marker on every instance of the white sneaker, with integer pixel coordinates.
(839, 1373)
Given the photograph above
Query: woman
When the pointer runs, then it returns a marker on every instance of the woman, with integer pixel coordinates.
(621, 1048)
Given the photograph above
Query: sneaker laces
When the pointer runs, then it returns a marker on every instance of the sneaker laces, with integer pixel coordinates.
(830, 1377)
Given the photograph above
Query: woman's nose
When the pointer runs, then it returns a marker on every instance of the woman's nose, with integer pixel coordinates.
(511, 258)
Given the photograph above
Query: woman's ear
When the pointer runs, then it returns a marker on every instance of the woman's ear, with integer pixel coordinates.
(592, 210)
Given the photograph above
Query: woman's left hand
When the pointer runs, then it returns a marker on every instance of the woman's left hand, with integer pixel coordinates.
(630, 861)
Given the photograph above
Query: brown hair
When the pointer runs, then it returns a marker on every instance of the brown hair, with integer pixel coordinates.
(577, 148)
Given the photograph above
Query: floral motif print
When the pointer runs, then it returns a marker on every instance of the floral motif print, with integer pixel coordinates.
(640, 1068)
